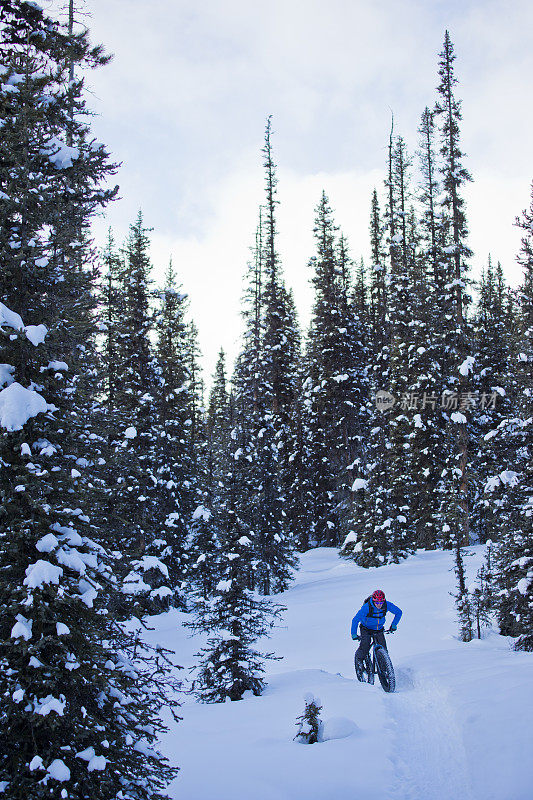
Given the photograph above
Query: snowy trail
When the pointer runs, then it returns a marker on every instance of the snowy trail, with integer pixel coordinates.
(458, 727)
(428, 756)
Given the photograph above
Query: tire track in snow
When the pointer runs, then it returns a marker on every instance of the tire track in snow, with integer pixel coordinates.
(428, 757)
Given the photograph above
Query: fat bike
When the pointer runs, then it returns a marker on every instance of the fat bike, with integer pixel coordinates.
(377, 663)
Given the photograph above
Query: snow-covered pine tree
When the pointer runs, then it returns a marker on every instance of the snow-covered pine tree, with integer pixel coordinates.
(455, 485)
(218, 423)
(428, 310)
(204, 540)
(298, 474)
(294, 471)
(372, 541)
(207, 477)
(360, 298)
(510, 489)
(104, 434)
(260, 492)
(463, 598)
(378, 276)
(354, 422)
(176, 470)
(110, 305)
(457, 355)
(481, 595)
(135, 435)
(272, 411)
(335, 386)
(197, 432)
(264, 384)
(83, 717)
(495, 326)
(234, 616)
(403, 507)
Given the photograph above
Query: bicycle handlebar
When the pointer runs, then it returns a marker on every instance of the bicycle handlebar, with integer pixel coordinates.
(358, 638)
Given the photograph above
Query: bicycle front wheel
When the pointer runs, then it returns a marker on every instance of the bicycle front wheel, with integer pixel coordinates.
(386, 674)
(359, 669)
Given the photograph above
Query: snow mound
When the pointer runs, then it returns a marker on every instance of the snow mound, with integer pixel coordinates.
(338, 728)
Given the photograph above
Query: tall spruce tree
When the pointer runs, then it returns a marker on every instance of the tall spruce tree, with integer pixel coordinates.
(135, 441)
(378, 280)
(429, 309)
(233, 617)
(63, 661)
(205, 539)
(218, 423)
(264, 381)
(402, 508)
(335, 386)
(457, 356)
(456, 478)
(496, 387)
(377, 532)
(510, 488)
(176, 470)
(273, 432)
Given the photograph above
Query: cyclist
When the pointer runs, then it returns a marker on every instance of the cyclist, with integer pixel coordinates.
(371, 617)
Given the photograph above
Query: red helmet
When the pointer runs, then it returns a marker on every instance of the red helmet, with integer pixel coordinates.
(378, 596)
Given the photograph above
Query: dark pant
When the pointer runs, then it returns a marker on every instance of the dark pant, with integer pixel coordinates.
(366, 640)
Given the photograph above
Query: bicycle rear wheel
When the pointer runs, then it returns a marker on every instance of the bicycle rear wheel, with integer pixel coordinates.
(386, 674)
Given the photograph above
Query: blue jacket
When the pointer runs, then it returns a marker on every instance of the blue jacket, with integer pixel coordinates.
(372, 617)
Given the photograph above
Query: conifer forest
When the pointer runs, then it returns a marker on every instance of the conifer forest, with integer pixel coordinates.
(133, 487)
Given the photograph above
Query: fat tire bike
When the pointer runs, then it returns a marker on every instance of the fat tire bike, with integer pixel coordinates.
(377, 662)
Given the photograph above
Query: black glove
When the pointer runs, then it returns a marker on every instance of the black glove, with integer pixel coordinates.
(392, 629)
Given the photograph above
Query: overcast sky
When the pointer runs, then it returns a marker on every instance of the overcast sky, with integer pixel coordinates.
(183, 106)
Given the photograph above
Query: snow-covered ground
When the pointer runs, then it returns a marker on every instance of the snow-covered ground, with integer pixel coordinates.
(457, 728)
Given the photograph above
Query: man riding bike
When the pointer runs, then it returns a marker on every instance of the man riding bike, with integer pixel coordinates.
(371, 618)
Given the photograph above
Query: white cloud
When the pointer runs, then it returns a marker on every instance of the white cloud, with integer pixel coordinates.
(184, 102)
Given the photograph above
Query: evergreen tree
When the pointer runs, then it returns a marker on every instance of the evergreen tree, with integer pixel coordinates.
(335, 387)
(264, 383)
(309, 724)
(495, 387)
(72, 698)
(273, 435)
(378, 284)
(402, 507)
(430, 307)
(233, 617)
(205, 541)
(110, 305)
(463, 600)
(135, 439)
(176, 471)
(482, 599)
(218, 422)
(379, 531)
(457, 356)
(510, 488)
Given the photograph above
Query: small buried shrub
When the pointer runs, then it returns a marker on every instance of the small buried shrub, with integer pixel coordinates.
(309, 724)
